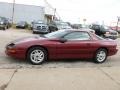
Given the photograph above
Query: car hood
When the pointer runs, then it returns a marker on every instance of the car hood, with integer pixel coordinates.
(27, 39)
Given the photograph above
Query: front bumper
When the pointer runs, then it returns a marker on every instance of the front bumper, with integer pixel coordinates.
(15, 53)
(112, 52)
(2, 26)
(40, 31)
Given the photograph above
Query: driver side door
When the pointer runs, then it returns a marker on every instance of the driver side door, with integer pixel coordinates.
(78, 45)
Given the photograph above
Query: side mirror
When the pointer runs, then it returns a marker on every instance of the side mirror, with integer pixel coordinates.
(63, 40)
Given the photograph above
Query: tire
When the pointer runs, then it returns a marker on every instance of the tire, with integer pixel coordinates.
(34, 32)
(7, 27)
(100, 56)
(4, 28)
(33, 55)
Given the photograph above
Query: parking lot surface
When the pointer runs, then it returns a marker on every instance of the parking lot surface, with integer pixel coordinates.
(7, 62)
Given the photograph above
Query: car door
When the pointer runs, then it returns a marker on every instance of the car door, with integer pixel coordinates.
(78, 45)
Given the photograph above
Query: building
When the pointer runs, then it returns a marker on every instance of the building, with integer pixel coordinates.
(27, 13)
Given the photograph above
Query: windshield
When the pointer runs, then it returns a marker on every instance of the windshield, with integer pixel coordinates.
(2, 19)
(38, 23)
(105, 28)
(56, 34)
(63, 25)
(22, 22)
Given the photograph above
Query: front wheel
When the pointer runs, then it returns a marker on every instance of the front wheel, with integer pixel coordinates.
(100, 56)
(37, 55)
(4, 28)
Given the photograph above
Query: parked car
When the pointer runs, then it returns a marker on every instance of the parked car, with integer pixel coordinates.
(62, 44)
(39, 27)
(115, 28)
(22, 24)
(104, 31)
(58, 25)
(4, 23)
(87, 29)
(76, 26)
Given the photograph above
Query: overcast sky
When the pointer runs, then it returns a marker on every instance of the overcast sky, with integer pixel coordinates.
(76, 10)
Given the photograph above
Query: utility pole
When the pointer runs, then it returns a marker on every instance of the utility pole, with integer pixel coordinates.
(118, 20)
(84, 21)
(13, 10)
(54, 14)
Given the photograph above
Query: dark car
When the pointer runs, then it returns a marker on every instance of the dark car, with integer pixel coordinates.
(116, 28)
(4, 23)
(39, 27)
(104, 31)
(22, 24)
(58, 25)
(62, 44)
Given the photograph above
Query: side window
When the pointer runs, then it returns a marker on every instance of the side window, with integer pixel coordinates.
(77, 36)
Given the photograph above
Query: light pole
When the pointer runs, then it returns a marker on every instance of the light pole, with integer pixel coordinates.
(13, 10)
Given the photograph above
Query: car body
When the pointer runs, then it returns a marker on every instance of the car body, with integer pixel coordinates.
(39, 27)
(22, 24)
(104, 31)
(62, 44)
(58, 25)
(4, 23)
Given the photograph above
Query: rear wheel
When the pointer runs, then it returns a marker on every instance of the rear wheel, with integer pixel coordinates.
(100, 56)
(37, 55)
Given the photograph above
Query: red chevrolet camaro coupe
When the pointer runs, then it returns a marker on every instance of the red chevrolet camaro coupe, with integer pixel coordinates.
(62, 44)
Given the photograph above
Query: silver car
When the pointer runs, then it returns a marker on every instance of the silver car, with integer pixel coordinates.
(39, 27)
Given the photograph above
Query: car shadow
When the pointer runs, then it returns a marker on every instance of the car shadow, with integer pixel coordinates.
(22, 61)
(70, 61)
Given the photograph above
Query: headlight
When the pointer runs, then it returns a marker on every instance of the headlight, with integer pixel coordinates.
(11, 45)
(1, 22)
